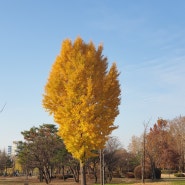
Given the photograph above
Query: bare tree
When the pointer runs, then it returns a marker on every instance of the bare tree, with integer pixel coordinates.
(144, 150)
(136, 145)
(111, 157)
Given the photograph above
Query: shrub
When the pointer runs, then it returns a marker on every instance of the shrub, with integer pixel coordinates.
(168, 171)
(129, 175)
(179, 175)
(116, 175)
(138, 172)
(60, 176)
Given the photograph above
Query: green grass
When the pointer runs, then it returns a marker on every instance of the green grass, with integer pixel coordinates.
(178, 183)
(34, 181)
(152, 183)
(123, 183)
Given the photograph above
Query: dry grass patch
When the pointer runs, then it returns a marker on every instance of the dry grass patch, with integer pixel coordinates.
(35, 181)
(116, 181)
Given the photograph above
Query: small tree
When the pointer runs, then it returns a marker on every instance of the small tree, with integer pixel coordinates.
(5, 162)
(111, 156)
(83, 97)
(160, 147)
(40, 149)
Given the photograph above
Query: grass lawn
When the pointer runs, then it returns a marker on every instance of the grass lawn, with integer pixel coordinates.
(178, 183)
(34, 181)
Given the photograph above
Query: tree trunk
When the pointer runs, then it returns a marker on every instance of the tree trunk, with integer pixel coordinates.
(153, 171)
(46, 175)
(63, 175)
(83, 174)
(95, 177)
(143, 169)
(101, 176)
(75, 172)
(182, 169)
(40, 175)
(110, 175)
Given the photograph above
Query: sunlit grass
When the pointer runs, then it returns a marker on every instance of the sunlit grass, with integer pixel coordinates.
(172, 182)
(178, 183)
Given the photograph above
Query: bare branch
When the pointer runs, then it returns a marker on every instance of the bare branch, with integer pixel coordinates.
(3, 108)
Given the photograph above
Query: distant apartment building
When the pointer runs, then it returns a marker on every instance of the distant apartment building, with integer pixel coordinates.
(9, 150)
(12, 150)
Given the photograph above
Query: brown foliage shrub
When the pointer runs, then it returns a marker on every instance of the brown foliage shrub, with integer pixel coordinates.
(138, 172)
(129, 175)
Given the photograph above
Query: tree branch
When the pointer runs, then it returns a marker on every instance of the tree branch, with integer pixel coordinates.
(3, 108)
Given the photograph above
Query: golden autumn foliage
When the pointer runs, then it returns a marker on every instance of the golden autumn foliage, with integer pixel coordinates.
(83, 96)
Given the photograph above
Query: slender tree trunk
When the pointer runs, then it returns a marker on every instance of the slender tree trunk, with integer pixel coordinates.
(40, 175)
(143, 162)
(95, 177)
(26, 180)
(153, 171)
(83, 174)
(144, 152)
(101, 179)
(75, 172)
(182, 158)
(63, 175)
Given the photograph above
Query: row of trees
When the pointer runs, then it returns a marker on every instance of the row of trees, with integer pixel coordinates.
(44, 149)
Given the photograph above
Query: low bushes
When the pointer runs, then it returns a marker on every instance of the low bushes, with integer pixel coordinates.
(148, 172)
(60, 176)
(138, 172)
(168, 171)
(179, 175)
(129, 175)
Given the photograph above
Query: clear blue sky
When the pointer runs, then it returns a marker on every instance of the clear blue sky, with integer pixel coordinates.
(145, 38)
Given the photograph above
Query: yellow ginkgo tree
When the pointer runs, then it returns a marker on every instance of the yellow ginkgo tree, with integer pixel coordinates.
(83, 96)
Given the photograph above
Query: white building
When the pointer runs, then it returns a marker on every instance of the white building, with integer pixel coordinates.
(12, 150)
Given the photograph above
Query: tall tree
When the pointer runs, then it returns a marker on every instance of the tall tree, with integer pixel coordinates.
(83, 96)
(177, 129)
(160, 146)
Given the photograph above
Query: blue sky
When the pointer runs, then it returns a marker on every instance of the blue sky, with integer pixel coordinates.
(145, 38)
